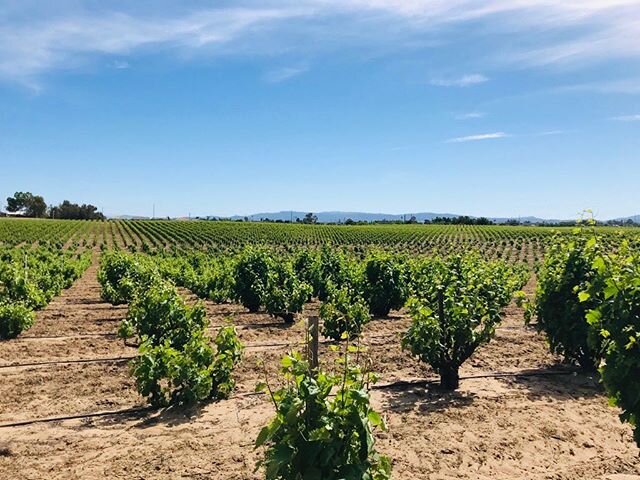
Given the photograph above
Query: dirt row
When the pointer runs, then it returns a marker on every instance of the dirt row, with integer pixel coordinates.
(531, 427)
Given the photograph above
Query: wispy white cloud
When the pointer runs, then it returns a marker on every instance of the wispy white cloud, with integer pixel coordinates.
(282, 74)
(475, 138)
(630, 86)
(36, 38)
(469, 115)
(548, 32)
(463, 81)
(548, 133)
(606, 39)
(31, 48)
(496, 135)
(121, 64)
(627, 118)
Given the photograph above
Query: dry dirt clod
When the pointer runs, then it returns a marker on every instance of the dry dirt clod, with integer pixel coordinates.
(5, 451)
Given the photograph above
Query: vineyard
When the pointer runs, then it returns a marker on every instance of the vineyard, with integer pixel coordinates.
(197, 349)
(508, 242)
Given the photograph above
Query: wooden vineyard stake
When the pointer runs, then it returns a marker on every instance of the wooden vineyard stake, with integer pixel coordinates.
(313, 343)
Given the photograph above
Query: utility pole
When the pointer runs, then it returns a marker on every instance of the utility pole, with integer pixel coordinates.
(154, 211)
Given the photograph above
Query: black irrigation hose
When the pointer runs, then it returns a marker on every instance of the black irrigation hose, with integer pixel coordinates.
(67, 337)
(63, 362)
(239, 327)
(128, 357)
(125, 358)
(118, 359)
(244, 326)
(125, 411)
(400, 384)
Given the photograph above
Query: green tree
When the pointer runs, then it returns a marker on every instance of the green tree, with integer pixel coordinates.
(73, 211)
(310, 218)
(31, 205)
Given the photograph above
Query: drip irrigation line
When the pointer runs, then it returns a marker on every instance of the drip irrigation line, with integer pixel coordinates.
(245, 326)
(125, 411)
(400, 384)
(249, 346)
(397, 385)
(67, 337)
(239, 327)
(64, 362)
(130, 357)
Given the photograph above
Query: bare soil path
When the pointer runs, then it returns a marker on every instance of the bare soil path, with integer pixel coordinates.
(511, 427)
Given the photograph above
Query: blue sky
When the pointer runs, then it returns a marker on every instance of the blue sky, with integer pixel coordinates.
(497, 107)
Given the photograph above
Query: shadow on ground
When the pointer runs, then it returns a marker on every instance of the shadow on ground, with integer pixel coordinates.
(557, 382)
(427, 399)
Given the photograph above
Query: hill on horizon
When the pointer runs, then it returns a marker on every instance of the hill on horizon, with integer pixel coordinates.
(341, 217)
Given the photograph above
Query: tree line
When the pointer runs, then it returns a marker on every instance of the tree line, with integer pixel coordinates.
(34, 206)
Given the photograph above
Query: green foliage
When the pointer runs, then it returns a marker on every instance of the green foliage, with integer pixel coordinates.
(18, 288)
(615, 321)
(210, 277)
(31, 205)
(228, 354)
(306, 264)
(14, 319)
(168, 375)
(560, 313)
(252, 273)
(181, 376)
(334, 271)
(386, 286)
(458, 310)
(511, 243)
(71, 211)
(318, 436)
(122, 275)
(159, 314)
(344, 313)
(29, 278)
(216, 282)
(34, 276)
(285, 293)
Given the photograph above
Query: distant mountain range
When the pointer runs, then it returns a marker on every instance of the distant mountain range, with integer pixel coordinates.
(335, 217)
(341, 217)
(129, 217)
(633, 218)
(338, 216)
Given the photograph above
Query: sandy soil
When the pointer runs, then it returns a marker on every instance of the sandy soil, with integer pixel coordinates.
(511, 427)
